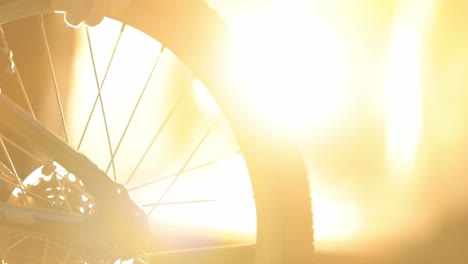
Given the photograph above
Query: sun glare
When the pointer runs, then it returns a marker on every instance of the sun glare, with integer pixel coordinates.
(215, 199)
(293, 66)
(296, 68)
(330, 208)
(403, 87)
(204, 100)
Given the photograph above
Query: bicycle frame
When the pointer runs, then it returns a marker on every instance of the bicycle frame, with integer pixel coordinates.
(40, 221)
(125, 225)
(30, 219)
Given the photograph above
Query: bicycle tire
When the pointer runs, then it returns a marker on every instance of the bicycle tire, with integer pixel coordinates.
(200, 38)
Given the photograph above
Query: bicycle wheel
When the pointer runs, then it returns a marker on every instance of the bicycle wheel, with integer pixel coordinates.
(197, 35)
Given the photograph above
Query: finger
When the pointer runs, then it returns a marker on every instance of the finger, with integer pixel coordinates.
(97, 12)
(77, 11)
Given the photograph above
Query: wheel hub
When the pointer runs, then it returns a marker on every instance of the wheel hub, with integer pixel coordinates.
(113, 226)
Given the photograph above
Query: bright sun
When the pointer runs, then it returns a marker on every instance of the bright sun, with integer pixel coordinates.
(293, 66)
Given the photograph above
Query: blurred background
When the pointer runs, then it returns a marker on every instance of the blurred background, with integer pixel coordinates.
(375, 93)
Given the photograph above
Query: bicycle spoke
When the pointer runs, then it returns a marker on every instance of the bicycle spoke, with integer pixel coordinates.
(135, 108)
(18, 78)
(185, 164)
(54, 79)
(54, 243)
(155, 137)
(195, 201)
(13, 167)
(65, 195)
(98, 86)
(44, 256)
(20, 185)
(209, 163)
(114, 147)
(8, 156)
(32, 156)
(15, 244)
(145, 259)
(4, 170)
(68, 254)
(42, 161)
(101, 86)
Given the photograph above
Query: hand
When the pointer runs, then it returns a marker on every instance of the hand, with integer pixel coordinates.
(91, 12)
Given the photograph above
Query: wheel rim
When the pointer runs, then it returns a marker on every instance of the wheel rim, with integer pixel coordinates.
(7, 144)
(284, 233)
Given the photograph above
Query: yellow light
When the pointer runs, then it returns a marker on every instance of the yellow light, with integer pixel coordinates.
(294, 67)
(204, 100)
(227, 180)
(336, 220)
(337, 216)
(403, 86)
(233, 214)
